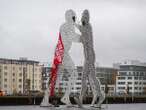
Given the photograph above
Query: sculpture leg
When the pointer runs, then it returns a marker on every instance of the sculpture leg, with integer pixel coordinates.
(84, 85)
(101, 99)
(45, 101)
(69, 65)
(65, 99)
(95, 91)
(95, 85)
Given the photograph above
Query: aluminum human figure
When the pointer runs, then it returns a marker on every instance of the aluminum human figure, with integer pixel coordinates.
(68, 34)
(89, 63)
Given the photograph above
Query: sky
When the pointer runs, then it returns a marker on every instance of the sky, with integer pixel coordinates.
(29, 28)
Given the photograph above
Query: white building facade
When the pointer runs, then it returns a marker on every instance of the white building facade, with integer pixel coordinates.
(20, 76)
(131, 78)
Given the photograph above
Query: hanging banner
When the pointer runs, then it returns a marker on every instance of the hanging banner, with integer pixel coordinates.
(58, 57)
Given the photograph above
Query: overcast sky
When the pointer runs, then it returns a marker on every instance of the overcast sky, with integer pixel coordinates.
(29, 28)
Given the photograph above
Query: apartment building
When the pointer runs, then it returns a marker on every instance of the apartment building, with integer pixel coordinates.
(107, 76)
(61, 82)
(20, 75)
(131, 77)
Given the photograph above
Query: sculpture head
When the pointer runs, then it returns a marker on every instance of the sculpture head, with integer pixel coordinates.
(85, 17)
(70, 16)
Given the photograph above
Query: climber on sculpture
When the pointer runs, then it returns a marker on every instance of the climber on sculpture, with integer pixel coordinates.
(89, 63)
(68, 35)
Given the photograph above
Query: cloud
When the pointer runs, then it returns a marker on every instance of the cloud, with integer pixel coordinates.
(30, 28)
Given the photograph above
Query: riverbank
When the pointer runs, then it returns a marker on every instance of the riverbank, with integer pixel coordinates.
(36, 100)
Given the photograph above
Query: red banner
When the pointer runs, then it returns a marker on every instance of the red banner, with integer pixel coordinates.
(58, 57)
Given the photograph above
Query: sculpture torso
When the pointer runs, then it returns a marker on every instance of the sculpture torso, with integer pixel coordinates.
(66, 29)
(87, 40)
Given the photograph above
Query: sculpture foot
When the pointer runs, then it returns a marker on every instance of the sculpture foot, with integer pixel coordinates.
(66, 101)
(94, 99)
(77, 100)
(95, 106)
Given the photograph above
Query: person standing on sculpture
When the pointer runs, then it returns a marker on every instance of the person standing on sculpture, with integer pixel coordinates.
(89, 72)
(68, 35)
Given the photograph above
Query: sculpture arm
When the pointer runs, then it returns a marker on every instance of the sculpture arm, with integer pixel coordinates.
(75, 36)
(78, 26)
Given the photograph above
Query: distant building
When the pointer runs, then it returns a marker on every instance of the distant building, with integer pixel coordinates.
(61, 83)
(131, 77)
(45, 76)
(107, 77)
(20, 76)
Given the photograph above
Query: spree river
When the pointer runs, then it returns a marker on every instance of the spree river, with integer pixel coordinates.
(137, 106)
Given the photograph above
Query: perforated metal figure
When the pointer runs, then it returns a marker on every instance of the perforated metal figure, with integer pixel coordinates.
(89, 63)
(67, 31)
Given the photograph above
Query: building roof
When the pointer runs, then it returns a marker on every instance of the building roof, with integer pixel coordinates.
(17, 61)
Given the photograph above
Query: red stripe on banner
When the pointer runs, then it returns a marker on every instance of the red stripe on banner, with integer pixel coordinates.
(58, 57)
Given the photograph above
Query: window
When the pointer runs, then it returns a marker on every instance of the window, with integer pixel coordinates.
(13, 68)
(79, 78)
(137, 73)
(129, 82)
(129, 77)
(136, 78)
(136, 88)
(121, 87)
(13, 74)
(80, 74)
(78, 83)
(20, 74)
(136, 82)
(5, 67)
(102, 88)
(5, 73)
(130, 87)
(140, 78)
(20, 80)
(78, 88)
(122, 73)
(142, 73)
(20, 86)
(121, 77)
(13, 80)
(5, 85)
(5, 79)
(121, 83)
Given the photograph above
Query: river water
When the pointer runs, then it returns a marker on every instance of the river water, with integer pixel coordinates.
(141, 106)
